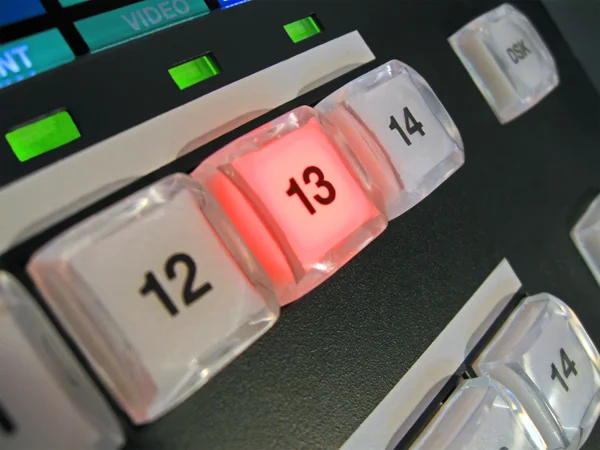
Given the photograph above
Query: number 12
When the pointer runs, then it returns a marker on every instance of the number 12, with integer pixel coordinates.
(189, 295)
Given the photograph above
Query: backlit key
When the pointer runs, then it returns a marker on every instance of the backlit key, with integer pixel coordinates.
(46, 400)
(545, 357)
(158, 291)
(507, 59)
(296, 196)
(399, 131)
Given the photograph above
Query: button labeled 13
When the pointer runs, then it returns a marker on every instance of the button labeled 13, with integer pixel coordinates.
(46, 400)
(292, 191)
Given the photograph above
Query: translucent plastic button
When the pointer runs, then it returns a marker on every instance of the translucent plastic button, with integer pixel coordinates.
(293, 192)
(586, 235)
(158, 291)
(399, 131)
(545, 357)
(481, 414)
(507, 59)
(46, 400)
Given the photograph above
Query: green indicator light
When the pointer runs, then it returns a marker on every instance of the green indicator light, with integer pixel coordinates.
(302, 29)
(195, 71)
(43, 135)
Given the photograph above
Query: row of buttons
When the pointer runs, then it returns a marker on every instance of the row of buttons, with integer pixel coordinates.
(208, 259)
(40, 52)
(540, 386)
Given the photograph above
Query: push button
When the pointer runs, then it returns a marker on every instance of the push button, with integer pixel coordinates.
(295, 197)
(545, 357)
(481, 414)
(399, 131)
(586, 235)
(46, 400)
(34, 54)
(136, 20)
(507, 59)
(16, 10)
(66, 3)
(158, 292)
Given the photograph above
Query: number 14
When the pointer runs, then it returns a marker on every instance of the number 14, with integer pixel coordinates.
(410, 123)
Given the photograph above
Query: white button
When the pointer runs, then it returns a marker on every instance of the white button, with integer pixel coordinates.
(545, 357)
(507, 59)
(399, 131)
(150, 291)
(46, 400)
(586, 235)
(481, 414)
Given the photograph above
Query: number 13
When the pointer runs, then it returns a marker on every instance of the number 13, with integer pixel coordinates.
(295, 189)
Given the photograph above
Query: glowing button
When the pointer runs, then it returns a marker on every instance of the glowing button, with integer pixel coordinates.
(296, 198)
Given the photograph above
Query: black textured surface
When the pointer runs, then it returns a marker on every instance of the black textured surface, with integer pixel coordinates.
(336, 353)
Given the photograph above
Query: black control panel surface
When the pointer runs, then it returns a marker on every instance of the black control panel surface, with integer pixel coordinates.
(336, 353)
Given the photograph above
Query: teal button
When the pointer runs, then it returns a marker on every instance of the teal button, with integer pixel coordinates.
(34, 54)
(71, 2)
(134, 21)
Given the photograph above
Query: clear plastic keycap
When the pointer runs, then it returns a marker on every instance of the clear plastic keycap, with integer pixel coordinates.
(481, 414)
(46, 400)
(586, 235)
(507, 59)
(295, 193)
(158, 291)
(399, 131)
(545, 357)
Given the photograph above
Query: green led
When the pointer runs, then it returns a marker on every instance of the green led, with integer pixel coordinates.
(42, 135)
(195, 71)
(302, 29)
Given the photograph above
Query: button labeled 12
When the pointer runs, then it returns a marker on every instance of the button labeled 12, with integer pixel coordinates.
(152, 295)
(546, 358)
(399, 131)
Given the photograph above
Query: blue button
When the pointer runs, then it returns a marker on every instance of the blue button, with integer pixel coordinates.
(16, 10)
(227, 3)
(139, 19)
(26, 57)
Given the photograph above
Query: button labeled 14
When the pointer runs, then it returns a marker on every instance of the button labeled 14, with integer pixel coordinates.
(545, 357)
(399, 131)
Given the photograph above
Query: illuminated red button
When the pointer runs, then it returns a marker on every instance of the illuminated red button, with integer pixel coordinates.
(296, 198)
